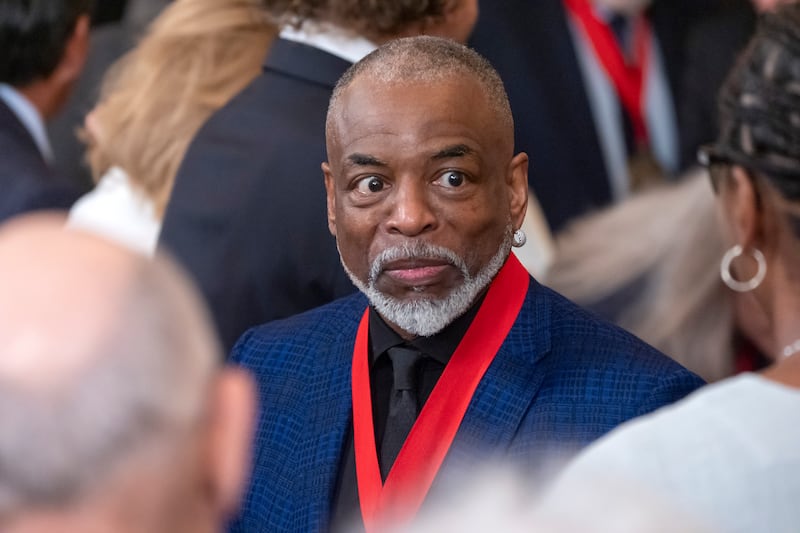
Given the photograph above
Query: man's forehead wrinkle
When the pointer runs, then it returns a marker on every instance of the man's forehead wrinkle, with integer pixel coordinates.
(410, 145)
(376, 116)
(375, 119)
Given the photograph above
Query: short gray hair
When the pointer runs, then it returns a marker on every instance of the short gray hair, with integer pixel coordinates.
(145, 383)
(426, 59)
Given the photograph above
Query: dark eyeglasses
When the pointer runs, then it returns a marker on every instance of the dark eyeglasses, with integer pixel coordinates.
(716, 163)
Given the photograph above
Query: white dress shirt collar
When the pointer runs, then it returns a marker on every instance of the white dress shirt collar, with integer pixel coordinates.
(330, 38)
(30, 117)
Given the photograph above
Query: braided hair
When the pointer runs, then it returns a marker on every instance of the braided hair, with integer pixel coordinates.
(760, 104)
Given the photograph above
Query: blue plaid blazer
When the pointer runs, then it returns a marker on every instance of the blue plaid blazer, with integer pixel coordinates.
(561, 379)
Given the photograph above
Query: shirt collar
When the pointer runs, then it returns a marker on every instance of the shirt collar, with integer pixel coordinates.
(331, 39)
(29, 116)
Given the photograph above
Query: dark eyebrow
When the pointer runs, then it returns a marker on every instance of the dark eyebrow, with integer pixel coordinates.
(364, 160)
(457, 150)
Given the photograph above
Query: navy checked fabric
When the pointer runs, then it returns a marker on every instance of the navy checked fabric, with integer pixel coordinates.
(562, 379)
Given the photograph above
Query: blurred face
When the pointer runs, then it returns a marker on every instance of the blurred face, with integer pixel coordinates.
(423, 195)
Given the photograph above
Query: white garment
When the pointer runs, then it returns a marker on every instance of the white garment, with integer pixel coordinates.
(729, 454)
(30, 117)
(331, 39)
(116, 210)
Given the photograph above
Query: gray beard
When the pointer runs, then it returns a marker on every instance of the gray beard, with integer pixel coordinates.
(424, 317)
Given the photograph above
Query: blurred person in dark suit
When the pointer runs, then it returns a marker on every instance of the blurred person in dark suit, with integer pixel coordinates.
(247, 213)
(116, 414)
(43, 47)
(109, 42)
(451, 350)
(595, 86)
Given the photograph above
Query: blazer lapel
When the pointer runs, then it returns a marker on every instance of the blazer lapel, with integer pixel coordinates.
(331, 409)
(509, 386)
(16, 132)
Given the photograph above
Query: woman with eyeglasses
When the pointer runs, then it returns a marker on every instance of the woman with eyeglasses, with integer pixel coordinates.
(730, 453)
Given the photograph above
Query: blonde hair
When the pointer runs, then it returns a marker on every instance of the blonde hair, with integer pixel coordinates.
(665, 245)
(194, 58)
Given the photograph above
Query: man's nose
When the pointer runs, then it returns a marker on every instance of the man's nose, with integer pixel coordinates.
(412, 213)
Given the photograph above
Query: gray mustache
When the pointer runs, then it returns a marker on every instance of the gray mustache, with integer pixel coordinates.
(418, 250)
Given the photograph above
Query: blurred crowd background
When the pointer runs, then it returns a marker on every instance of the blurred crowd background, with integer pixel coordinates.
(624, 225)
(197, 128)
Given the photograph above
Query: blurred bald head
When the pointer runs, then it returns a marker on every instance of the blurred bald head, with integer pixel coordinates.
(108, 377)
(70, 301)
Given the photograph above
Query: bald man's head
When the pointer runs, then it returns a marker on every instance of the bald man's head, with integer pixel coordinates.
(425, 60)
(105, 356)
(82, 297)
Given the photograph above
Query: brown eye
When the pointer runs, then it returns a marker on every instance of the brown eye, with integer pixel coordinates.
(370, 184)
(451, 178)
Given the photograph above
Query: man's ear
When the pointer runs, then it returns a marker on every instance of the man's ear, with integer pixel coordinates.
(231, 421)
(75, 52)
(330, 190)
(517, 182)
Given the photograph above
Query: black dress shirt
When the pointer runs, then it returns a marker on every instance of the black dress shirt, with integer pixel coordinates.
(436, 350)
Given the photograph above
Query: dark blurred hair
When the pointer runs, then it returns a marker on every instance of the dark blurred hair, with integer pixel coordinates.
(760, 104)
(33, 36)
(384, 17)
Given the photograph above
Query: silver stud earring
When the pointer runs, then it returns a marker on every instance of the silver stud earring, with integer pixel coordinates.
(519, 238)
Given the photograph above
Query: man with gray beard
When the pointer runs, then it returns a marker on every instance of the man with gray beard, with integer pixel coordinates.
(452, 350)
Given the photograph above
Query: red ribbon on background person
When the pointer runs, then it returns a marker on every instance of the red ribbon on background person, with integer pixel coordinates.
(628, 77)
(422, 454)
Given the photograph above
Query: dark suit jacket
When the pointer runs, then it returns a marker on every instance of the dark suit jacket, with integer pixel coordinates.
(247, 215)
(562, 378)
(530, 45)
(712, 48)
(26, 181)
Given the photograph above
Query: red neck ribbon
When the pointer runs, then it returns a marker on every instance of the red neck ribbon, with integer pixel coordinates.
(422, 454)
(628, 76)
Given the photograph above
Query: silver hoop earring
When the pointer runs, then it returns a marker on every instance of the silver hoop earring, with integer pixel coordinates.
(742, 286)
(519, 238)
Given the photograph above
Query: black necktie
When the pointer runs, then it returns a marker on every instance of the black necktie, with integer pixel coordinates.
(402, 404)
